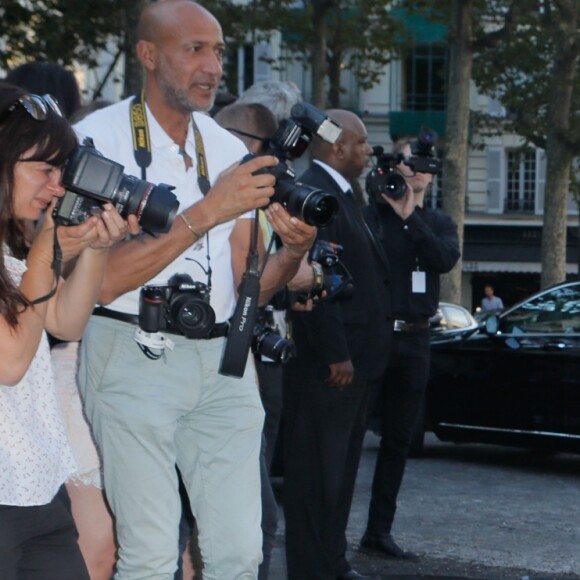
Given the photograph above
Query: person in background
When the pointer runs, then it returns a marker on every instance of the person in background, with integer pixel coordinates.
(327, 386)
(85, 486)
(490, 301)
(49, 78)
(151, 414)
(222, 99)
(278, 96)
(38, 538)
(421, 244)
(255, 124)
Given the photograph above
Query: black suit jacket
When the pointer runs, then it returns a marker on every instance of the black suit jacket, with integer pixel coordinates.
(356, 329)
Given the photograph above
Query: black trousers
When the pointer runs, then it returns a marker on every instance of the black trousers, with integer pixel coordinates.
(270, 381)
(40, 542)
(324, 429)
(399, 399)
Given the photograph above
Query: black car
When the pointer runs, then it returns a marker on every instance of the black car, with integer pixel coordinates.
(512, 379)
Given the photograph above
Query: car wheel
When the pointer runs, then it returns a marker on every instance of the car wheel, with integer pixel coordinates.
(417, 447)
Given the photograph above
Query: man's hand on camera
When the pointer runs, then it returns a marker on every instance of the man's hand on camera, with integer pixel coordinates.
(303, 280)
(296, 235)
(403, 206)
(238, 189)
(341, 374)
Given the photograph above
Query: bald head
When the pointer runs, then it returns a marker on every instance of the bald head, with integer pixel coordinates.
(350, 154)
(181, 48)
(161, 18)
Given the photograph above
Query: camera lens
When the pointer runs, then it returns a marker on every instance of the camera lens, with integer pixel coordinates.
(395, 186)
(154, 205)
(391, 183)
(151, 299)
(193, 316)
(311, 205)
(273, 346)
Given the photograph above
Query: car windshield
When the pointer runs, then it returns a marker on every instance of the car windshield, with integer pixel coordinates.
(555, 311)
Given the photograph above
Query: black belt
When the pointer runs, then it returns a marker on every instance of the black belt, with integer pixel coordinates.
(404, 326)
(218, 330)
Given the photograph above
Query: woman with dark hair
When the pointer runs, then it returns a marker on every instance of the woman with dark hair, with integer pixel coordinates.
(90, 510)
(51, 78)
(37, 532)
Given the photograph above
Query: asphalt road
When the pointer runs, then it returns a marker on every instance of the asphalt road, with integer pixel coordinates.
(473, 511)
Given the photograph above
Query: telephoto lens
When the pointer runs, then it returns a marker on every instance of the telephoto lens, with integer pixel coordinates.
(311, 205)
(90, 179)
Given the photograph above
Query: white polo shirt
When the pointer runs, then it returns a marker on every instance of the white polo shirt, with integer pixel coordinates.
(110, 129)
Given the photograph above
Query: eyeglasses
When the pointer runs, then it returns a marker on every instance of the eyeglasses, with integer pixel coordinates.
(263, 140)
(36, 106)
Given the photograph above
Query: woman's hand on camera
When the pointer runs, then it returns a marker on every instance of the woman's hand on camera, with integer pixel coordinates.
(97, 232)
(111, 228)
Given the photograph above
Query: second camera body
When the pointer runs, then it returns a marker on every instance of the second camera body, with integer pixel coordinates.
(385, 179)
(293, 135)
(179, 307)
(268, 342)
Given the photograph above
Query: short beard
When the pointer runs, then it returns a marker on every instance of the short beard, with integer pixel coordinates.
(178, 100)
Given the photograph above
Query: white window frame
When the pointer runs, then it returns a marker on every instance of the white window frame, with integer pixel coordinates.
(496, 168)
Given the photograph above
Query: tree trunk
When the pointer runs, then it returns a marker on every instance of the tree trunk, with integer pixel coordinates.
(334, 63)
(455, 160)
(559, 155)
(319, 65)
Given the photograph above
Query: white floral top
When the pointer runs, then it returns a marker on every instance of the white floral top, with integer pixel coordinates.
(35, 457)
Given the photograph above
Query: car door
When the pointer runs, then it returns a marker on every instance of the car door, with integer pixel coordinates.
(543, 334)
(521, 382)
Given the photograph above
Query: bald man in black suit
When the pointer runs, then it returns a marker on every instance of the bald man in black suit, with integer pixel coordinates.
(342, 348)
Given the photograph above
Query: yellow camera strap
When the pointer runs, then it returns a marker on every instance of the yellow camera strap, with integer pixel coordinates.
(142, 143)
(140, 133)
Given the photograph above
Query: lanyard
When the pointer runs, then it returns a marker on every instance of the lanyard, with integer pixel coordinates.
(142, 143)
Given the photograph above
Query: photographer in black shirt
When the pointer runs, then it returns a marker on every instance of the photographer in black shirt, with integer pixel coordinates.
(421, 243)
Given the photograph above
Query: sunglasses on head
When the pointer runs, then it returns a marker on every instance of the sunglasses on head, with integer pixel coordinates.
(36, 106)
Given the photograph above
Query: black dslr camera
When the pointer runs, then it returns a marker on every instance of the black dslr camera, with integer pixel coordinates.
(335, 283)
(293, 135)
(180, 307)
(310, 204)
(91, 180)
(384, 178)
(267, 341)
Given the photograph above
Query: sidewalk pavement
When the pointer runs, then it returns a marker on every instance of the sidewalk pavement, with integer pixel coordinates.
(446, 517)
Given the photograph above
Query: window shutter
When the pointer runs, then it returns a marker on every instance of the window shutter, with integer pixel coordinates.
(495, 108)
(494, 167)
(262, 69)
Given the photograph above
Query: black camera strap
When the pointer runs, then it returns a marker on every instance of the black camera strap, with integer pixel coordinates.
(56, 268)
(243, 321)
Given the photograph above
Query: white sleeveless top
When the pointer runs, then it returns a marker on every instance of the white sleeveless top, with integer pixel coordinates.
(35, 457)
